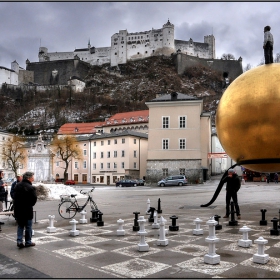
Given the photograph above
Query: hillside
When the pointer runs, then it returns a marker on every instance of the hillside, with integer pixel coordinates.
(108, 91)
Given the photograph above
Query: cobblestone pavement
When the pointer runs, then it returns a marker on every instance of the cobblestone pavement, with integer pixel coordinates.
(98, 252)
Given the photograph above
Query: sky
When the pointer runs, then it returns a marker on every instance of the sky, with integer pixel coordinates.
(64, 26)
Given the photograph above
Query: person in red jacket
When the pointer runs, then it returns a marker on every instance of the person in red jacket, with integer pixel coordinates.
(233, 186)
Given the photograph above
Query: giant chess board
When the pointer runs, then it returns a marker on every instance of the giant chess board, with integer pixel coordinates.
(100, 249)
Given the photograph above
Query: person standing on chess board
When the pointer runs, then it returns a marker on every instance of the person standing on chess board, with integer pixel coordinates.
(2, 192)
(233, 186)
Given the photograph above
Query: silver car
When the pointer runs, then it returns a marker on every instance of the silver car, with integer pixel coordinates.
(176, 180)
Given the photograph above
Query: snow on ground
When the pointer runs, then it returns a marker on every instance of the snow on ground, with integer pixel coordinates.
(55, 190)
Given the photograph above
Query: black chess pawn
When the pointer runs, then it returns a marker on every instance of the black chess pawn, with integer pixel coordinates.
(173, 227)
(100, 223)
(94, 217)
(274, 230)
(136, 226)
(217, 226)
(232, 222)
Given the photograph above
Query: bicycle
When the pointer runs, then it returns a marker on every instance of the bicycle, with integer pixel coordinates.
(69, 205)
(10, 209)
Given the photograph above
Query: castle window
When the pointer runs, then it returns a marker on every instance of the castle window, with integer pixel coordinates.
(138, 53)
(141, 37)
(168, 31)
(115, 53)
(153, 51)
(146, 52)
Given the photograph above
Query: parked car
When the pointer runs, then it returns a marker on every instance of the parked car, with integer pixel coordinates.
(126, 183)
(70, 182)
(59, 180)
(177, 180)
(140, 182)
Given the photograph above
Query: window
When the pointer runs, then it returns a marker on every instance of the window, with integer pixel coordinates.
(85, 145)
(85, 152)
(182, 122)
(165, 144)
(102, 143)
(165, 122)
(76, 164)
(94, 166)
(101, 154)
(115, 153)
(182, 144)
(134, 153)
(164, 172)
(94, 143)
(115, 165)
(115, 141)
(122, 164)
(108, 165)
(94, 155)
(108, 154)
(122, 153)
(101, 165)
(57, 163)
(134, 141)
(57, 153)
(109, 142)
(134, 165)
(85, 164)
(182, 171)
(123, 140)
(84, 177)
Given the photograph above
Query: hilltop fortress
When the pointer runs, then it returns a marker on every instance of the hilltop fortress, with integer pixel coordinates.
(134, 46)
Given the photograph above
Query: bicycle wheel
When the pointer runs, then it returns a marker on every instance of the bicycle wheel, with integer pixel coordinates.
(67, 209)
(93, 205)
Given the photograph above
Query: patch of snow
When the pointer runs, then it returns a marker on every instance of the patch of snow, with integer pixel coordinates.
(55, 190)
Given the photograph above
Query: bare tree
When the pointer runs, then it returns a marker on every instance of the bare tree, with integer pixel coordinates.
(247, 67)
(227, 56)
(14, 153)
(66, 148)
(277, 58)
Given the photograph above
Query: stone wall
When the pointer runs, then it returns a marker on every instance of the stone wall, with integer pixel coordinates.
(193, 169)
(65, 69)
(233, 68)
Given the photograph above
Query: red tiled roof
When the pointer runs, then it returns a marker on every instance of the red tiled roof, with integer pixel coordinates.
(128, 117)
(79, 128)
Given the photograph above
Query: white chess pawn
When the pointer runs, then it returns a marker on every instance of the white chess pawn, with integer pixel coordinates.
(120, 230)
(197, 230)
(83, 220)
(245, 241)
(73, 231)
(162, 241)
(260, 257)
(51, 228)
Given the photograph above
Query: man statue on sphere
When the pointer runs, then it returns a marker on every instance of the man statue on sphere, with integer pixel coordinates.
(268, 45)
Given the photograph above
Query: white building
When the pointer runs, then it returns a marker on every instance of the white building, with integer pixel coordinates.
(127, 46)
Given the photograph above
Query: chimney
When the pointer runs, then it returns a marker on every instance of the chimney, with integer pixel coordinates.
(174, 96)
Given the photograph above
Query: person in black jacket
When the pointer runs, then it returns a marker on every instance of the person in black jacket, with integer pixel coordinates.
(24, 199)
(2, 192)
(233, 186)
(12, 191)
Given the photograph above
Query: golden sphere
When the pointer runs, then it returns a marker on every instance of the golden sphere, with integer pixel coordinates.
(248, 119)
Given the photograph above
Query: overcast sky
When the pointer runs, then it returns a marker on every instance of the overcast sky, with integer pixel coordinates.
(64, 26)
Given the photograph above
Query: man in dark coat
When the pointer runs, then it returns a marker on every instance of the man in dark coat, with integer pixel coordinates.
(233, 186)
(24, 199)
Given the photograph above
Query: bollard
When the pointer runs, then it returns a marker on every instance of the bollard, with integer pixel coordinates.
(232, 222)
(263, 221)
(217, 226)
(83, 220)
(159, 210)
(197, 230)
(94, 213)
(120, 230)
(51, 228)
(100, 223)
(244, 242)
(275, 230)
(136, 225)
(260, 257)
(173, 227)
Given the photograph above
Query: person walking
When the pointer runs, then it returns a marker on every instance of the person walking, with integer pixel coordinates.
(268, 45)
(276, 178)
(24, 199)
(2, 192)
(233, 186)
(12, 191)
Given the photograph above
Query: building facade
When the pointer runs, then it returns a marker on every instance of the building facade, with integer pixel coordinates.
(127, 46)
(179, 137)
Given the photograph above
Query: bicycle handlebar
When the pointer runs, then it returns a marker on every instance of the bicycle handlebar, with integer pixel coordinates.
(87, 192)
